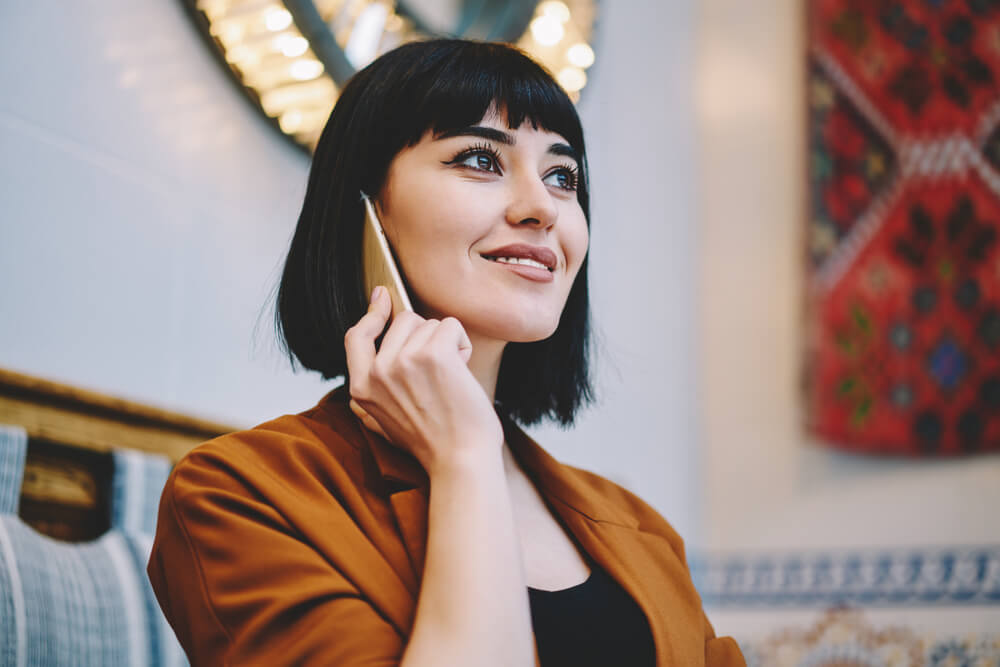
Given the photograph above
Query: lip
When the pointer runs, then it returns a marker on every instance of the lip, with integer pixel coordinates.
(530, 272)
(540, 254)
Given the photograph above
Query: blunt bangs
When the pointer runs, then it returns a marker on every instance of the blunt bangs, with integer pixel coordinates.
(443, 85)
(431, 86)
(473, 81)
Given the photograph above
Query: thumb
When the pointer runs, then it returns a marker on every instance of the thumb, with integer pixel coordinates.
(381, 303)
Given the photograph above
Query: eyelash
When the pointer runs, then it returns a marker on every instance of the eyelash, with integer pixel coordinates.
(571, 172)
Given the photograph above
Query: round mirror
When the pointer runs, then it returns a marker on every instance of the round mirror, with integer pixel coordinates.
(292, 57)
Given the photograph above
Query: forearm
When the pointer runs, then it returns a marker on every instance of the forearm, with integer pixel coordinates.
(473, 606)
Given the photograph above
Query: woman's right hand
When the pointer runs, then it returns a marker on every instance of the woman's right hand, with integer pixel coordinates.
(418, 387)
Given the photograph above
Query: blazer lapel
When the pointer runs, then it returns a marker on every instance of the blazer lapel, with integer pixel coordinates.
(638, 561)
(409, 493)
(410, 507)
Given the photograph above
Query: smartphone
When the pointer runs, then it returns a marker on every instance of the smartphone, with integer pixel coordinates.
(378, 263)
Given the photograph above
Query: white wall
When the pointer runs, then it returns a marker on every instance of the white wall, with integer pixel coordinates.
(146, 209)
(145, 212)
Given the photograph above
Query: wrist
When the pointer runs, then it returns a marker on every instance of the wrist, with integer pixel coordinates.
(465, 461)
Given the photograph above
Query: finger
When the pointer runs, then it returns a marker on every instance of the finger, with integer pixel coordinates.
(403, 325)
(450, 334)
(369, 422)
(359, 342)
(464, 345)
(418, 339)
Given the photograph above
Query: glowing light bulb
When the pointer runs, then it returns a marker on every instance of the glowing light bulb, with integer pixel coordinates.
(362, 47)
(394, 23)
(277, 19)
(290, 121)
(305, 69)
(242, 55)
(581, 55)
(572, 79)
(231, 33)
(290, 45)
(556, 9)
(547, 30)
(213, 8)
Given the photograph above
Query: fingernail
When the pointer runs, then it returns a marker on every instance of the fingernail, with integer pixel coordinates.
(377, 292)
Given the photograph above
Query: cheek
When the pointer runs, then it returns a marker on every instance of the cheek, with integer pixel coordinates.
(577, 243)
(432, 238)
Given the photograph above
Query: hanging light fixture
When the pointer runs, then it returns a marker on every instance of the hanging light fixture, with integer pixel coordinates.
(292, 56)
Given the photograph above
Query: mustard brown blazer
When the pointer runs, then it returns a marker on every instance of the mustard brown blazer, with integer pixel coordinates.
(301, 542)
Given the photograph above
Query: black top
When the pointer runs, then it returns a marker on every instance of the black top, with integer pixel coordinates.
(594, 623)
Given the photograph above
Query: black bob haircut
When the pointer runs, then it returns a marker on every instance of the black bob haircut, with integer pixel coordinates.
(437, 85)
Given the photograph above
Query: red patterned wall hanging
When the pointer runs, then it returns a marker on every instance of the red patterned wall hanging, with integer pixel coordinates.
(903, 334)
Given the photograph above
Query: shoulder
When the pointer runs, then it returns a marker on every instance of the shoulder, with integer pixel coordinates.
(263, 484)
(299, 453)
(609, 493)
(259, 526)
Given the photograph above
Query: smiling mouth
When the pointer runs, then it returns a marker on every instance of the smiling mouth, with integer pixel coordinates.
(523, 261)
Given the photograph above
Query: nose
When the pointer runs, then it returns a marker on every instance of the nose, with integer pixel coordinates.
(531, 203)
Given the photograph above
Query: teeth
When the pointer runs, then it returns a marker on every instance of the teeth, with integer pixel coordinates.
(519, 260)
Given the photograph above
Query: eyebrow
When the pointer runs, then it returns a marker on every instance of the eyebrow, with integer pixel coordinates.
(507, 139)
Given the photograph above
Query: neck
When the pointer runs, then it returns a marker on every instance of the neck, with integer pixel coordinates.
(485, 366)
(485, 363)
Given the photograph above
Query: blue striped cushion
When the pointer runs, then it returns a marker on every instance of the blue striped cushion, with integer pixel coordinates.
(87, 604)
(135, 490)
(78, 604)
(13, 448)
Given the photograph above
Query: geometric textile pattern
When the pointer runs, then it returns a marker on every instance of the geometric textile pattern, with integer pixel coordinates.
(78, 603)
(914, 578)
(929, 65)
(895, 607)
(903, 342)
(850, 163)
(846, 637)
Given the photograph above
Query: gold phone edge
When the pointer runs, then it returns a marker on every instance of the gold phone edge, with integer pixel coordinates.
(380, 260)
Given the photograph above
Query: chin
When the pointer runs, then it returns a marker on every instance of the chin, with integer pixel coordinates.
(520, 321)
(519, 329)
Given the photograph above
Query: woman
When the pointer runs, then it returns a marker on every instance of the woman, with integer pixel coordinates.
(407, 519)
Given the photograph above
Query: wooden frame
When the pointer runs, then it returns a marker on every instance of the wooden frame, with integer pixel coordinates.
(71, 432)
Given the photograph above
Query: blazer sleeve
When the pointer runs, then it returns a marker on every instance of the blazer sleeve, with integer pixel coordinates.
(240, 588)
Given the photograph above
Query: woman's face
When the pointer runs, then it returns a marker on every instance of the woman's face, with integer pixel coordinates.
(487, 228)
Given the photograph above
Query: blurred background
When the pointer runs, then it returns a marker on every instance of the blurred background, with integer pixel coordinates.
(148, 203)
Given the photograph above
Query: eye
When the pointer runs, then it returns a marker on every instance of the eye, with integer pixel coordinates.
(481, 157)
(564, 178)
(480, 161)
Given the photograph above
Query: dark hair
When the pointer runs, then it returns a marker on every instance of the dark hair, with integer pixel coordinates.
(436, 85)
